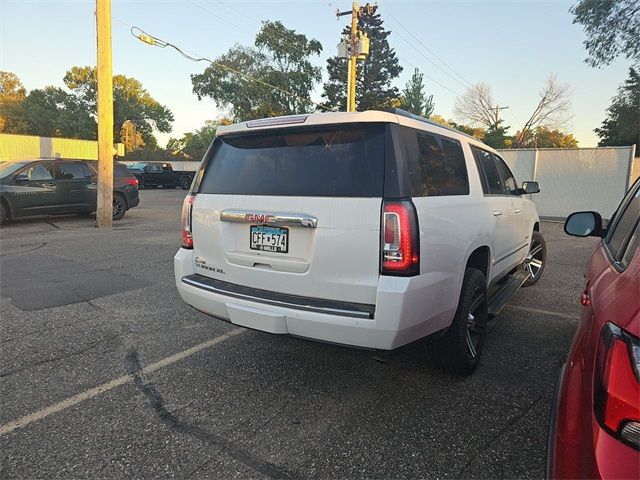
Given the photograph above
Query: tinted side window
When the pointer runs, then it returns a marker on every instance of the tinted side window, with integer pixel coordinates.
(491, 183)
(38, 172)
(73, 170)
(632, 248)
(442, 166)
(509, 183)
(622, 228)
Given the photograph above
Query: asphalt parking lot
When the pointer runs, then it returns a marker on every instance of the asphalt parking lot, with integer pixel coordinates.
(106, 373)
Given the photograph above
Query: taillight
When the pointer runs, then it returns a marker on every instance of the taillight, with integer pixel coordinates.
(400, 240)
(585, 299)
(132, 181)
(617, 384)
(187, 207)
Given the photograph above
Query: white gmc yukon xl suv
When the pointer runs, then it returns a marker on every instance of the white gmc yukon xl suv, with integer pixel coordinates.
(367, 229)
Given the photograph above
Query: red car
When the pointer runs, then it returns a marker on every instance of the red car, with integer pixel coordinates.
(595, 422)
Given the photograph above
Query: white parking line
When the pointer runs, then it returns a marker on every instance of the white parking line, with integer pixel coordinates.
(105, 387)
(543, 312)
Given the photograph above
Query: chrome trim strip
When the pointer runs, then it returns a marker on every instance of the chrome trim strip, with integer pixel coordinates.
(509, 254)
(270, 122)
(278, 303)
(269, 218)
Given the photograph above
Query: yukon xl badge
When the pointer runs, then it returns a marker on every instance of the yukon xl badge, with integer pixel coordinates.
(202, 263)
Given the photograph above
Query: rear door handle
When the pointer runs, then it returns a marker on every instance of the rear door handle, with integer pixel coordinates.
(517, 210)
(497, 213)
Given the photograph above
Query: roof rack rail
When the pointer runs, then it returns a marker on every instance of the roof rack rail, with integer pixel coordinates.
(404, 113)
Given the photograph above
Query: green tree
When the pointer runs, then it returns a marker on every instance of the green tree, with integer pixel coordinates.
(193, 145)
(496, 136)
(474, 131)
(150, 154)
(52, 112)
(440, 119)
(374, 75)
(281, 57)
(543, 137)
(11, 88)
(130, 136)
(12, 94)
(131, 102)
(414, 99)
(622, 125)
(612, 28)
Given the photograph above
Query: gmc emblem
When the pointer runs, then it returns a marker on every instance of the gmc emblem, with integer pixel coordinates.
(259, 218)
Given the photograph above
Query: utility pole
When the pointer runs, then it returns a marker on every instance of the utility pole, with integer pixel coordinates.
(497, 117)
(352, 71)
(104, 214)
(358, 49)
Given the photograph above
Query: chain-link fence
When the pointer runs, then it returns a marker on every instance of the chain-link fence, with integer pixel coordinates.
(574, 179)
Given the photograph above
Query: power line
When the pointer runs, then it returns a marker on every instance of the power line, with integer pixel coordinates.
(240, 12)
(121, 22)
(204, 9)
(429, 77)
(426, 74)
(157, 42)
(466, 82)
(427, 58)
(516, 119)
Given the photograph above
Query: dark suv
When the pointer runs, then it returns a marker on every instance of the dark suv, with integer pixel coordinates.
(58, 186)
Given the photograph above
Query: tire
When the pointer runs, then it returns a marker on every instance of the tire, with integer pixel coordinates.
(185, 183)
(4, 213)
(458, 352)
(119, 206)
(536, 260)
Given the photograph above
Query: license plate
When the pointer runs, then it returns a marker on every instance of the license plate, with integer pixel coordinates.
(269, 239)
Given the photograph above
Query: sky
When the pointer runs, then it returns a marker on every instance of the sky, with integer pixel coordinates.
(511, 45)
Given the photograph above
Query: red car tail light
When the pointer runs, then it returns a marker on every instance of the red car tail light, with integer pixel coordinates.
(132, 181)
(617, 384)
(585, 298)
(187, 207)
(400, 240)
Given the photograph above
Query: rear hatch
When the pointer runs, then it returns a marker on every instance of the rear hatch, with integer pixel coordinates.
(294, 211)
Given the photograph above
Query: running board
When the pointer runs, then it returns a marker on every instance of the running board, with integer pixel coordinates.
(503, 293)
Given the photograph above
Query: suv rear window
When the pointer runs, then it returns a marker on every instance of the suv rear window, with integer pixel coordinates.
(121, 171)
(345, 161)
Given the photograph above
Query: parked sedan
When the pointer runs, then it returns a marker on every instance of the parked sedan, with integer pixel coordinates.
(55, 186)
(595, 426)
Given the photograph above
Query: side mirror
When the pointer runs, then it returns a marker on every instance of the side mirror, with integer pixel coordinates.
(21, 178)
(530, 187)
(584, 224)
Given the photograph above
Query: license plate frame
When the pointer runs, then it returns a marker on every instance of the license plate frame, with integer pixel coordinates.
(276, 247)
